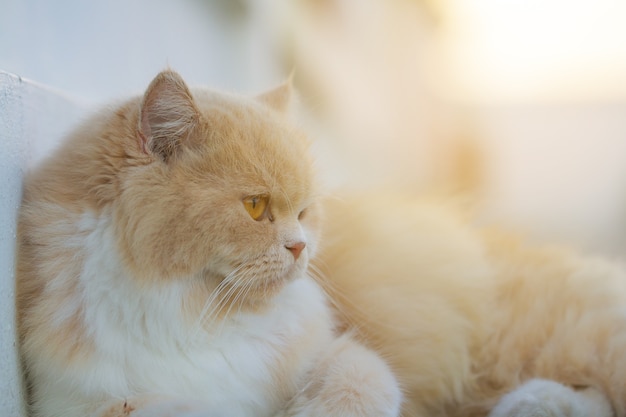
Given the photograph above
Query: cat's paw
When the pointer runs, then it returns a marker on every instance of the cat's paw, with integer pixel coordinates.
(352, 382)
(544, 398)
(154, 407)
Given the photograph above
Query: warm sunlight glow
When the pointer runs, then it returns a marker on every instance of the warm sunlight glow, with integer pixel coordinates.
(551, 49)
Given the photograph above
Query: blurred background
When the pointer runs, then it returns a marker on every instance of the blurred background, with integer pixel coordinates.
(519, 104)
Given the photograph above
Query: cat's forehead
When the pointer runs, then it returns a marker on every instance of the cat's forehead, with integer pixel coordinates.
(228, 114)
(253, 146)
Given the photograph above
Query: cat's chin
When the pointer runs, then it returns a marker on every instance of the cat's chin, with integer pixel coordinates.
(253, 294)
(268, 287)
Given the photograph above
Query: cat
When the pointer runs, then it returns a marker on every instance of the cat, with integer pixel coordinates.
(473, 321)
(162, 269)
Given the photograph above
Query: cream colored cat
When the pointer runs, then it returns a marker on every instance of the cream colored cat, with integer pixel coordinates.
(162, 272)
(476, 324)
(162, 266)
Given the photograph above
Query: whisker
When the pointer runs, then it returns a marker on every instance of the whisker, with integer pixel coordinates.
(210, 307)
(219, 305)
(353, 313)
(243, 287)
(207, 311)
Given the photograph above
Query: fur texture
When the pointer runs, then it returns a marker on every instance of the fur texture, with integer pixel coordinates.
(145, 288)
(475, 321)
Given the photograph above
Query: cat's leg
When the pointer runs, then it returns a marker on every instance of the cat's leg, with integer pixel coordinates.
(349, 381)
(545, 398)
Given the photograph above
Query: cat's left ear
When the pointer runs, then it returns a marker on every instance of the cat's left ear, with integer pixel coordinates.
(168, 115)
(280, 97)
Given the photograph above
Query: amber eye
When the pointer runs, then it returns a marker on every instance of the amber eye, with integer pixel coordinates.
(256, 205)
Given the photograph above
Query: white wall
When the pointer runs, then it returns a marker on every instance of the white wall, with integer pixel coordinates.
(106, 48)
(32, 119)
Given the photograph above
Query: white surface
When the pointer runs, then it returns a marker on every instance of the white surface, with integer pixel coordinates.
(32, 119)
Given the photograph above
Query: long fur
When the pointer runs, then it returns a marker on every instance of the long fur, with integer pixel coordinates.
(145, 288)
(465, 317)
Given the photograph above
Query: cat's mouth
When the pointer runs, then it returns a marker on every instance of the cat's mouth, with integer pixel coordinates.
(272, 280)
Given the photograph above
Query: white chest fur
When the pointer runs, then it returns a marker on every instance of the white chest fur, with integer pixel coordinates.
(142, 345)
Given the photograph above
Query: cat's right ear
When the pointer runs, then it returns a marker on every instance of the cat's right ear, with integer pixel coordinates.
(280, 97)
(168, 115)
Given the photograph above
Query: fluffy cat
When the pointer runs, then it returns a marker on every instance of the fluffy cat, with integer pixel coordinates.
(474, 323)
(162, 266)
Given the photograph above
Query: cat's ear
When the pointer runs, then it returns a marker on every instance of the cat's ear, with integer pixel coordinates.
(280, 97)
(168, 115)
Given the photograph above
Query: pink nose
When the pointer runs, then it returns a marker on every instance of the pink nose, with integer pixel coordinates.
(296, 249)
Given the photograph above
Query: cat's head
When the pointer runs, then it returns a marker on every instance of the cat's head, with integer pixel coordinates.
(218, 187)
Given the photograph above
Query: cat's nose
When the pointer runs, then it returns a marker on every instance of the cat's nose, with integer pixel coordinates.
(296, 249)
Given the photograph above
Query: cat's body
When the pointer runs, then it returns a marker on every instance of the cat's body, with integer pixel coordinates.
(475, 321)
(162, 269)
(162, 272)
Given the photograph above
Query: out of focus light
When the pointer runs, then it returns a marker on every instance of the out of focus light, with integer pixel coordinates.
(524, 50)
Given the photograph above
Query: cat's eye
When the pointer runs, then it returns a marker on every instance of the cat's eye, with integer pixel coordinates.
(256, 206)
(302, 214)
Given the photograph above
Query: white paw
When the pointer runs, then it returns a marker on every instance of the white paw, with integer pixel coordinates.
(544, 398)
